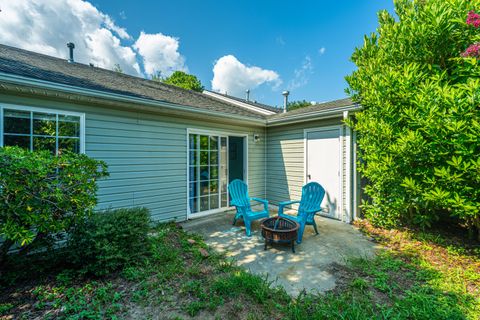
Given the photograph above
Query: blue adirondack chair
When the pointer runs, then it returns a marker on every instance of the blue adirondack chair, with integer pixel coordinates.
(239, 198)
(312, 197)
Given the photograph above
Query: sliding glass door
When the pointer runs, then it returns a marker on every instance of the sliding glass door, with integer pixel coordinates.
(208, 172)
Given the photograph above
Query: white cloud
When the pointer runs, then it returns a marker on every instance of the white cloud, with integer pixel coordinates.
(322, 50)
(160, 53)
(233, 77)
(302, 74)
(46, 26)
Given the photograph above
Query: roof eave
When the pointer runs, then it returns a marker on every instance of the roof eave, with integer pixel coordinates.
(313, 115)
(42, 84)
(245, 105)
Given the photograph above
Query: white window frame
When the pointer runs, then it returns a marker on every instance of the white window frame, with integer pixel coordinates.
(44, 110)
(227, 134)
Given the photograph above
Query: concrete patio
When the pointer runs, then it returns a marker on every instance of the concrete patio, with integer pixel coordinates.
(309, 268)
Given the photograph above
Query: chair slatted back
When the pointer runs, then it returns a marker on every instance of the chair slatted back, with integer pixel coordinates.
(312, 197)
(239, 193)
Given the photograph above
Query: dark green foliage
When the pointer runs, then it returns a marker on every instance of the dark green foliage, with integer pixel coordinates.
(182, 80)
(418, 131)
(297, 104)
(108, 241)
(43, 195)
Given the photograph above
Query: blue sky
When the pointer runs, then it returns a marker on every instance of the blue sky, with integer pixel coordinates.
(274, 35)
(303, 46)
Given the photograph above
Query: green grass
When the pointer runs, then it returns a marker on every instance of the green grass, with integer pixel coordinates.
(418, 276)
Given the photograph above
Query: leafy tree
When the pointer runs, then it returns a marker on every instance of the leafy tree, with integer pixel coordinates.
(182, 80)
(117, 68)
(419, 86)
(43, 195)
(297, 104)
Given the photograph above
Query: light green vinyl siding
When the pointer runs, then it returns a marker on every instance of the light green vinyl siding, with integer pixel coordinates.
(147, 155)
(285, 159)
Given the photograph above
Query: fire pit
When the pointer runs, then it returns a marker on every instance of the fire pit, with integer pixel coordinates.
(279, 230)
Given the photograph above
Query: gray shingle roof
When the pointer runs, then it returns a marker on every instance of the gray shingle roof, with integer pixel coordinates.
(38, 66)
(325, 106)
(253, 103)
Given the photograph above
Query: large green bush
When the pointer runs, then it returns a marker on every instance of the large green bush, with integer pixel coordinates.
(109, 240)
(420, 124)
(42, 195)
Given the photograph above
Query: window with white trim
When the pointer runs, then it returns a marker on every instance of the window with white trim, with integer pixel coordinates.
(41, 129)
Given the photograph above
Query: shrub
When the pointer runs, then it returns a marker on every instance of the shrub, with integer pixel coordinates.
(418, 130)
(42, 195)
(107, 241)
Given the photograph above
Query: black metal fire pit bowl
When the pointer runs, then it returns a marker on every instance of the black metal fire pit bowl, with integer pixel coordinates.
(280, 230)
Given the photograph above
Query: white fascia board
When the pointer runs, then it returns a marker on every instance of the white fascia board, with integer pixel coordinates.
(239, 103)
(314, 115)
(42, 84)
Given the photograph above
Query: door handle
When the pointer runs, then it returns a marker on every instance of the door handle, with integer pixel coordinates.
(309, 177)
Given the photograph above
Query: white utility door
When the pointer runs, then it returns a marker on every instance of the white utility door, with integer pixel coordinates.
(323, 166)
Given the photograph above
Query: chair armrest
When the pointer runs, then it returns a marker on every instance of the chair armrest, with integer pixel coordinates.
(265, 202)
(283, 204)
(259, 200)
(286, 203)
(235, 204)
(313, 210)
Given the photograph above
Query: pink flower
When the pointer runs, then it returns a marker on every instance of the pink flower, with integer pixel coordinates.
(473, 19)
(472, 51)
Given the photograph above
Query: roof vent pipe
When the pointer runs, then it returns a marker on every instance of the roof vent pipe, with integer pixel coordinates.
(247, 92)
(285, 100)
(70, 46)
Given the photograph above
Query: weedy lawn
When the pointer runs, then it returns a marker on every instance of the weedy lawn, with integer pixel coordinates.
(419, 275)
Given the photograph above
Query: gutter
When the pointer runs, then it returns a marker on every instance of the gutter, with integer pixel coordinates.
(313, 115)
(42, 84)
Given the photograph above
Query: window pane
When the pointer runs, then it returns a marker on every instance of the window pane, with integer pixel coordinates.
(19, 141)
(204, 142)
(213, 157)
(203, 158)
(204, 174)
(223, 185)
(204, 204)
(213, 143)
(69, 144)
(44, 124)
(194, 205)
(224, 200)
(223, 173)
(193, 191)
(42, 143)
(193, 158)
(16, 121)
(213, 172)
(213, 186)
(68, 126)
(193, 176)
(193, 141)
(214, 201)
(204, 188)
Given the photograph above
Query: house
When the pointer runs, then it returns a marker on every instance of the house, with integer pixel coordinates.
(172, 150)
